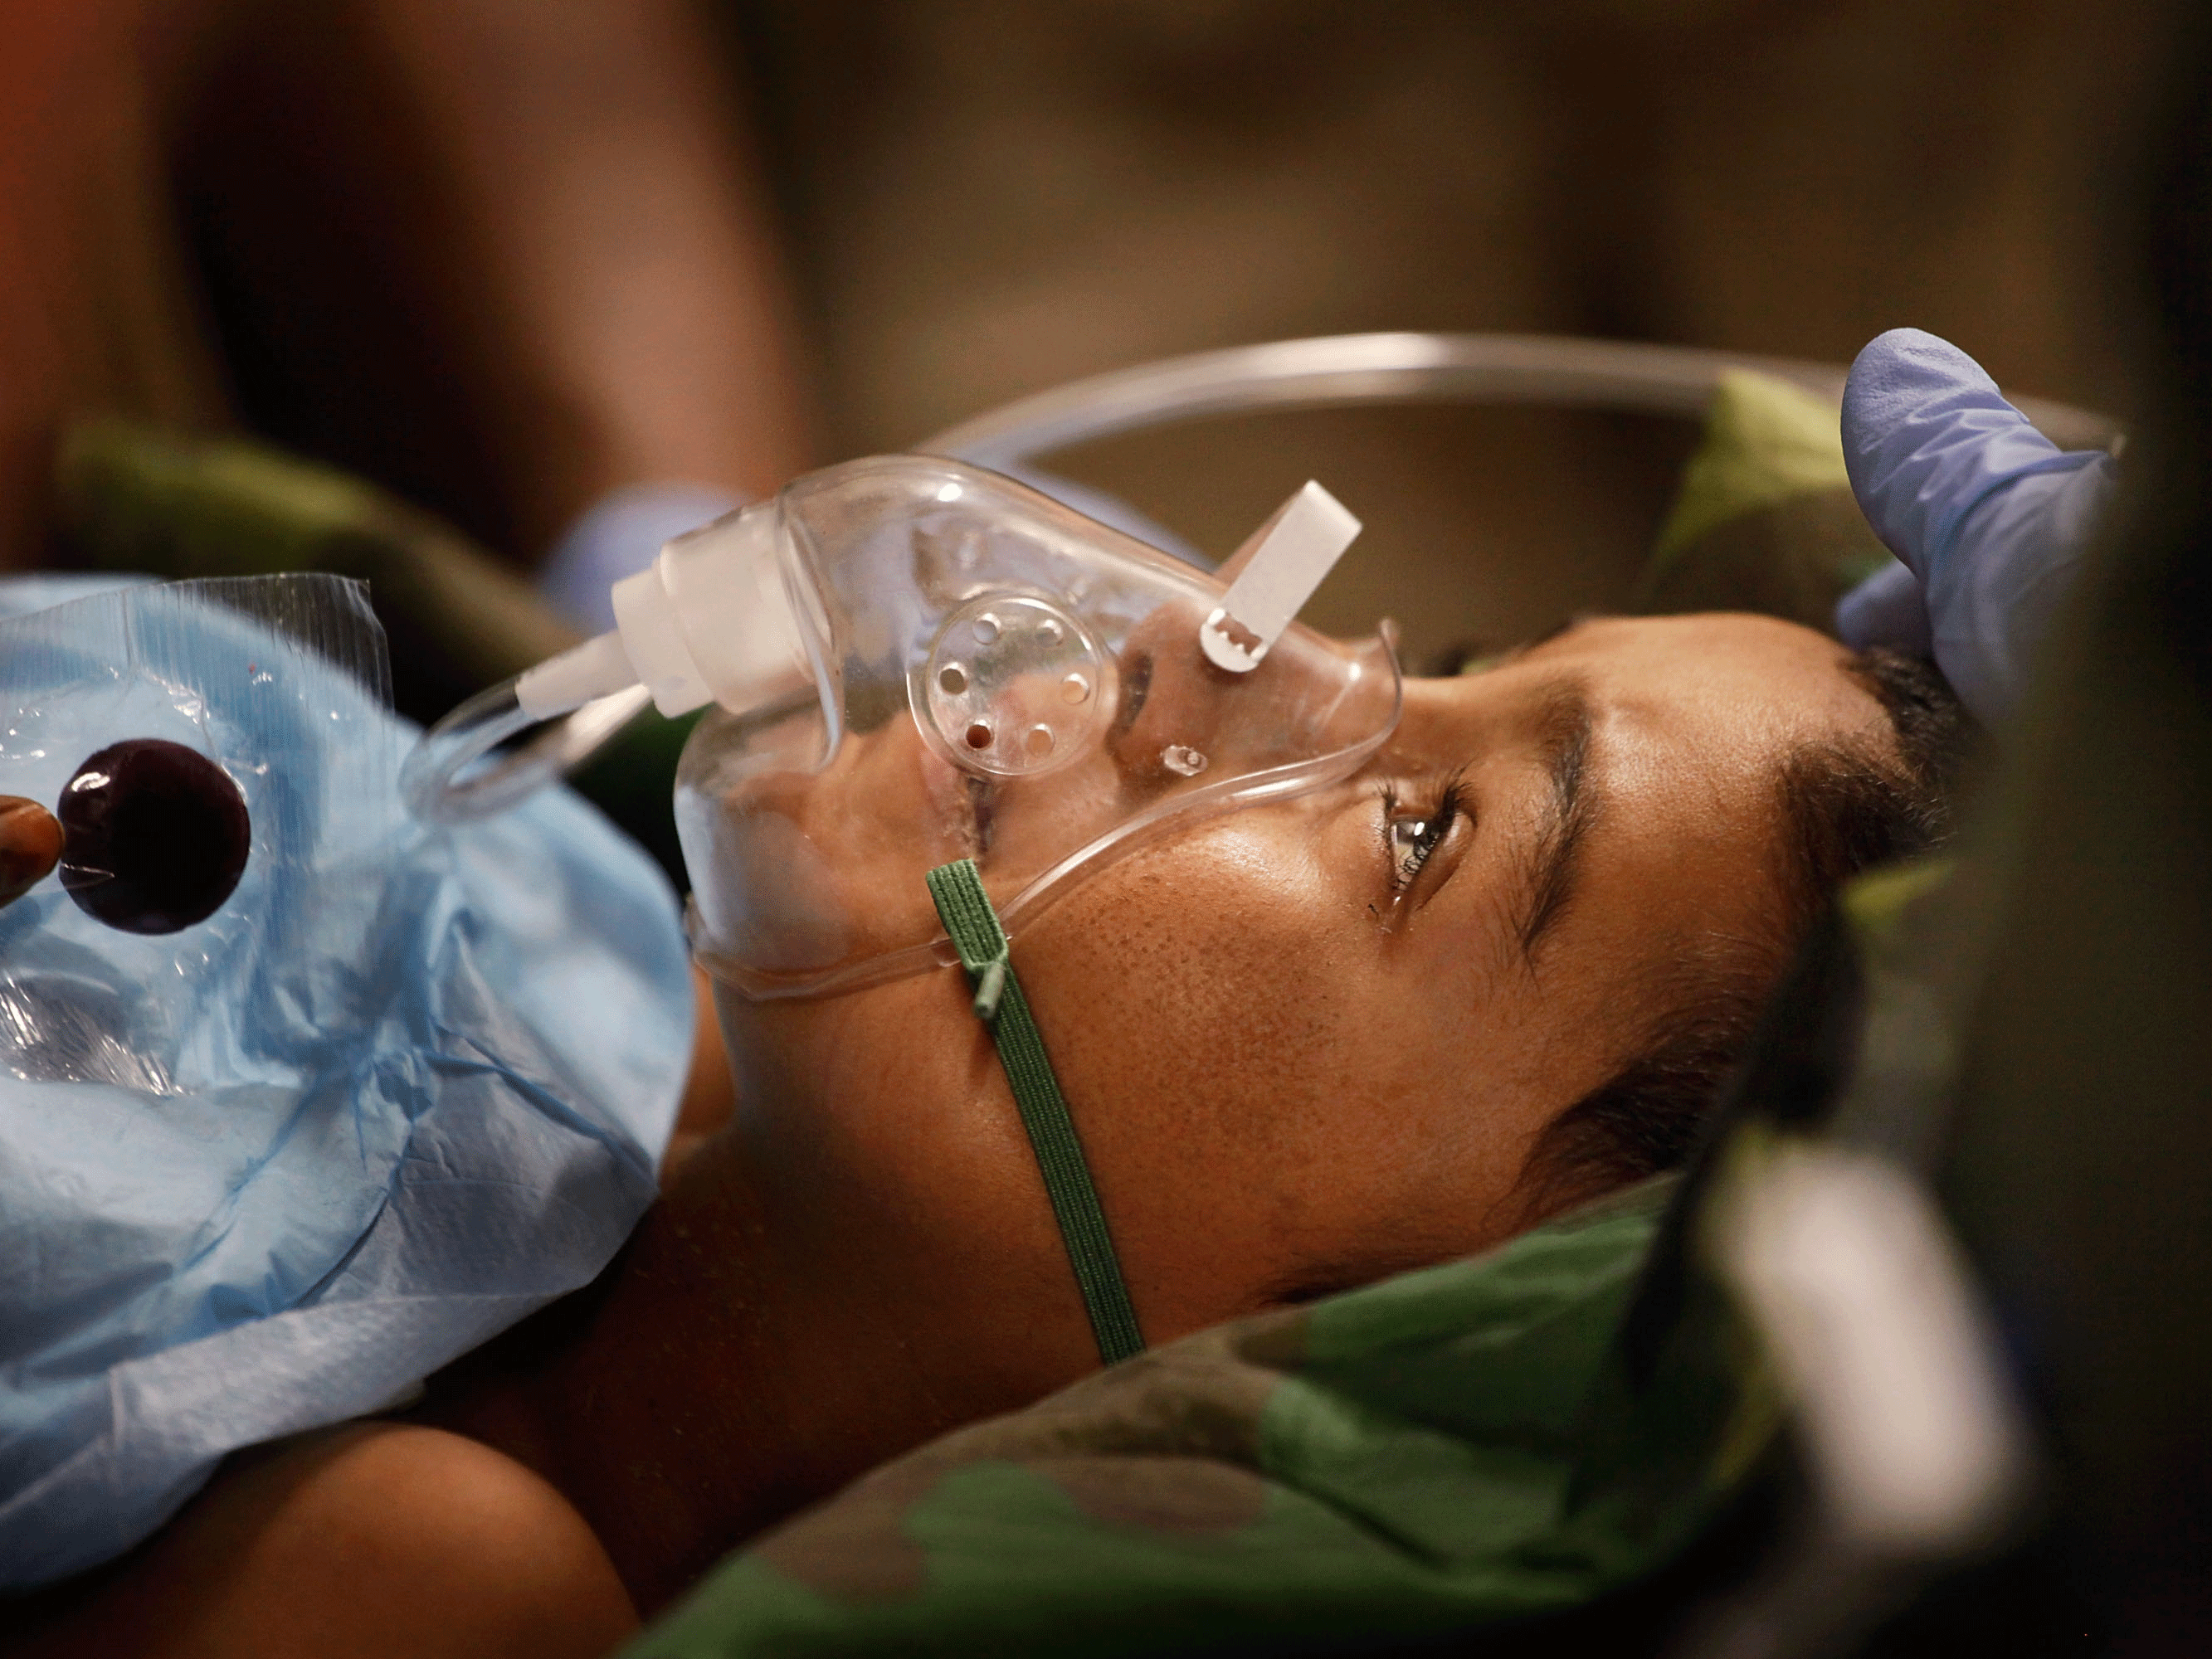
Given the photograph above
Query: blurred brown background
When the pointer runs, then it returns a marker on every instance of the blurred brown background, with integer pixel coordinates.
(502, 255)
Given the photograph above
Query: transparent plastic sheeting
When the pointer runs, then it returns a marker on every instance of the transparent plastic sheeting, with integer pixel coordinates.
(987, 674)
(264, 1173)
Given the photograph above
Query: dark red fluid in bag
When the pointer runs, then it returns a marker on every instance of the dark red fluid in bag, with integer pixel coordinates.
(155, 837)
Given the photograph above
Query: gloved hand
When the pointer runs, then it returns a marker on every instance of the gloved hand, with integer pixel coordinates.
(1990, 516)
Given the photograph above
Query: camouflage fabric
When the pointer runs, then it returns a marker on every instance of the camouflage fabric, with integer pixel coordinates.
(1410, 1458)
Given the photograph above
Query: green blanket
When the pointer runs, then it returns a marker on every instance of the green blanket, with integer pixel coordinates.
(1412, 1458)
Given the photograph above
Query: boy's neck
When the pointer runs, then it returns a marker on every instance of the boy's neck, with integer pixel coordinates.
(648, 1397)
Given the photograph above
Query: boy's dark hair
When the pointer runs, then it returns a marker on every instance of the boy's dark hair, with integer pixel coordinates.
(1845, 808)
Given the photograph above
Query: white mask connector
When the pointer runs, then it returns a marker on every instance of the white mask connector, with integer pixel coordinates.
(1291, 552)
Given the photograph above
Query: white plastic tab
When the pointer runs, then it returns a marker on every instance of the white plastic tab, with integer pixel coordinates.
(1294, 551)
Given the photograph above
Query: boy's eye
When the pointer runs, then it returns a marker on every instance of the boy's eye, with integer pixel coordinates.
(1411, 836)
(1412, 841)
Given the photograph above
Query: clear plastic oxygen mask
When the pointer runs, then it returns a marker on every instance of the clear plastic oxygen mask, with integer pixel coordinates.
(914, 661)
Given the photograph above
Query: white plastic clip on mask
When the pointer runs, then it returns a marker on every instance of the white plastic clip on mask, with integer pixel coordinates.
(913, 661)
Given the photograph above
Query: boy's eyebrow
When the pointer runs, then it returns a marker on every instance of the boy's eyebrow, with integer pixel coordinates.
(1563, 735)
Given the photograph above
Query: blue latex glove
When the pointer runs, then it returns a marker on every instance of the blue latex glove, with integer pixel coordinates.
(1990, 516)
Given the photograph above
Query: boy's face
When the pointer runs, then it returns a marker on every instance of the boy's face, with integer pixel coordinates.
(1304, 1045)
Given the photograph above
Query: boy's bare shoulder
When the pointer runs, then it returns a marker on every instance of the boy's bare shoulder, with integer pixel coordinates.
(370, 1539)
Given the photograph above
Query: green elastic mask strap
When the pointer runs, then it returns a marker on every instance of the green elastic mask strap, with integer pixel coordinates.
(1000, 1004)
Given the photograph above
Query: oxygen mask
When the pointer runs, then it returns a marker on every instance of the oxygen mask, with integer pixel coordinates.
(914, 661)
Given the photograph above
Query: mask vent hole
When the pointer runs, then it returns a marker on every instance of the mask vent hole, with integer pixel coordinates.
(1012, 687)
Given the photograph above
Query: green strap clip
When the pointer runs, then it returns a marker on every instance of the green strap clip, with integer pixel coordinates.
(965, 909)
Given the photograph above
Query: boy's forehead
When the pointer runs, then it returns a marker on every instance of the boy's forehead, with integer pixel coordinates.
(1732, 633)
(1774, 675)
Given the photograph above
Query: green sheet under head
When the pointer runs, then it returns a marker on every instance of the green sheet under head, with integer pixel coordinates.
(1764, 519)
(1407, 1459)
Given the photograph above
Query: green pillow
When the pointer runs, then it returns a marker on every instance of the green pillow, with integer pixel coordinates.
(1764, 519)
